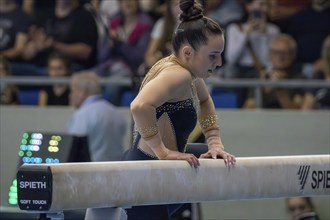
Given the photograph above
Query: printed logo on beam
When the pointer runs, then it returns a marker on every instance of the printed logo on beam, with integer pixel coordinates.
(319, 179)
(303, 174)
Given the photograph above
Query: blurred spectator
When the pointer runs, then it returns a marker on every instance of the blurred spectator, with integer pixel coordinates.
(309, 27)
(58, 66)
(247, 41)
(280, 10)
(282, 56)
(96, 118)
(8, 92)
(301, 208)
(224, 11)
(14, 25)
(39, 9)
(71, 30)
(103, 39)
(154, 8)
(109, 9)
(106, 9)
(247, 44)
(161, 35)
(130, 34)
(320, 98)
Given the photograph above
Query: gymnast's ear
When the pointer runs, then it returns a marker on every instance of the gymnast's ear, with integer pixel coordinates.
(187, 51)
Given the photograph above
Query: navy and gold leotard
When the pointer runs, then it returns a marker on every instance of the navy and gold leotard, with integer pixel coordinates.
(182, 119)
(175, 120)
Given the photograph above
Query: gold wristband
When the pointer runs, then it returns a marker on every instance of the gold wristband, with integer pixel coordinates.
(148, 131)
(209, 121)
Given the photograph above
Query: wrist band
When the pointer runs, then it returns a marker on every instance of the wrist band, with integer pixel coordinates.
(148, 131)
(209, 121)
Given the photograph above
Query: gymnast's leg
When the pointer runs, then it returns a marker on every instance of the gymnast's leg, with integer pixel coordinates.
(150, 212)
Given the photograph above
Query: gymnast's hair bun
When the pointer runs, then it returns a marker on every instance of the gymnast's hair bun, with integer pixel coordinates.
(191, 10)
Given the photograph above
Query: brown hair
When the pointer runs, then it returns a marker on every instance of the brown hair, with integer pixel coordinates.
(194, 27)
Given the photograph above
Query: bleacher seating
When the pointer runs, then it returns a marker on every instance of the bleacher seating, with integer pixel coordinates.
(28, 96)
(127, 98)
(224, 99)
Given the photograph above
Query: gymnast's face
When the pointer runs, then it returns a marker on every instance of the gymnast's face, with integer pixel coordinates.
(207, 58)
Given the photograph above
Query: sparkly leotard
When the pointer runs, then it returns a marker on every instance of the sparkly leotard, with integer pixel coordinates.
(175, 120)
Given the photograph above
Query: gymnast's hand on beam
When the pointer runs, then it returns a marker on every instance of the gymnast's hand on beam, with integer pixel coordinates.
(175, 155)
(216, 152)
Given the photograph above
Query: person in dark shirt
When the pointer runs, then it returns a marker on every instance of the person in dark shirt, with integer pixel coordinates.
(58, 66)
(14, 25)
(38, 9)
(71, 31)
(309, 27)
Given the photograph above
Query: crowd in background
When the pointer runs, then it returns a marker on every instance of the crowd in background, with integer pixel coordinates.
(265, 39)
(270, 40)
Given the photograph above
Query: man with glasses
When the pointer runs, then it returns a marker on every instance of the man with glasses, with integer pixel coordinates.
(283, 66)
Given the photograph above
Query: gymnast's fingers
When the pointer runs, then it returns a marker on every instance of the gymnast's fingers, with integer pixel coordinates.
(205, 155)
(194, 160)
(230, 159)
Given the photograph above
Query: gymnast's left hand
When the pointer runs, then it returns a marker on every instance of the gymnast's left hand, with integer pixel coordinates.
(216, 152)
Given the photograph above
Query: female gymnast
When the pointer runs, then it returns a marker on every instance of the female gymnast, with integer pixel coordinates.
(173, 96)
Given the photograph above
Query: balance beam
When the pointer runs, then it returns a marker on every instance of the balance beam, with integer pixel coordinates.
(55, 187)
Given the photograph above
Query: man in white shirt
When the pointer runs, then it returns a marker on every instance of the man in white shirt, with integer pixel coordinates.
(96, 118)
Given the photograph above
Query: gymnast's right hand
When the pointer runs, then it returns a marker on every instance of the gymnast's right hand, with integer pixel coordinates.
(175, 155)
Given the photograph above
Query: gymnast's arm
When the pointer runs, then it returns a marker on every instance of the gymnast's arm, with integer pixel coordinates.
(167, 86)
(208, 120)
